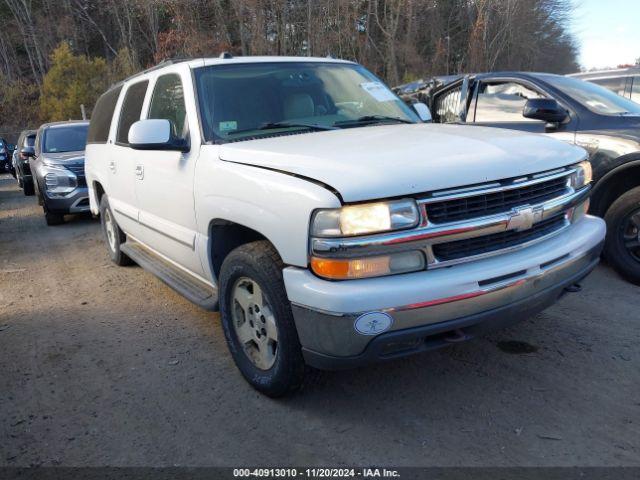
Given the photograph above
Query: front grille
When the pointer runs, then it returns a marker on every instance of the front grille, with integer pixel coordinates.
(497, 241)
(78, 169)
(490, 203)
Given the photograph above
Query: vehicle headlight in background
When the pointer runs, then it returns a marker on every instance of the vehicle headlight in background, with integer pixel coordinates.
(582, 176)
(58, 180)
(365, 219)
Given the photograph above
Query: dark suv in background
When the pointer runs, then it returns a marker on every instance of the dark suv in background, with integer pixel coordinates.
(5, 156)
(605, 124)
(24, 150)
(57, 166)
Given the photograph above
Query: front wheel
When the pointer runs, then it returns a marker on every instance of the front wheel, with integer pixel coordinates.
(257, 320)
(53, 218)
(622, 247)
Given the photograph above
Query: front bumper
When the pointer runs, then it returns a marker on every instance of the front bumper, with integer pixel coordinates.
(76, 202)
(430, 309)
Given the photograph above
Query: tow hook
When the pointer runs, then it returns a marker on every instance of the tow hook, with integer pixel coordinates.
(455, 336)
(576, 287)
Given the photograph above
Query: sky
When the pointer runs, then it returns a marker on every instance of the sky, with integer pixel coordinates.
(608, 32)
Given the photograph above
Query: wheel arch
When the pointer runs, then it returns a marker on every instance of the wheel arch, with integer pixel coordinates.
(614, 183)
(225, 236)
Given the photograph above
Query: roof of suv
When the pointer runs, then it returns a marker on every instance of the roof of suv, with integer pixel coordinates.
(225, 59)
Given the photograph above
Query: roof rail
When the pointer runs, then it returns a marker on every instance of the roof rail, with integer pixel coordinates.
(162, 64)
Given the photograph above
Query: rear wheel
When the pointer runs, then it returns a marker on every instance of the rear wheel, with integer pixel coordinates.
(622, 248)
(114, 236)
(257, 320)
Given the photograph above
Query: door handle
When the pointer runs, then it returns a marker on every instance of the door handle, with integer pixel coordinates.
(112, 166)
(139, 172)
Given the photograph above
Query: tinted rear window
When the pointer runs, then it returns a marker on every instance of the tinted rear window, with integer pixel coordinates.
(102, 115)
(131, 110)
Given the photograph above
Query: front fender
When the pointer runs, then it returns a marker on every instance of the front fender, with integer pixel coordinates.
(275, 204)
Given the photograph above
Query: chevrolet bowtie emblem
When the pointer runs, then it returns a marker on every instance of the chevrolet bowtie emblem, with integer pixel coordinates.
(523, 218)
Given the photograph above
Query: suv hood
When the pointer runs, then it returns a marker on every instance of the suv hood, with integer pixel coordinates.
(65, 158)
(393, 160)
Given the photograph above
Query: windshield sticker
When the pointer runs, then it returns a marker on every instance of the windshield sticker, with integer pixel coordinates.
(378, 91)
(228, 126)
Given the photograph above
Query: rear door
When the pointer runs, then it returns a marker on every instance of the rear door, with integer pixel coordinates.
(164, 179)
(122, 160)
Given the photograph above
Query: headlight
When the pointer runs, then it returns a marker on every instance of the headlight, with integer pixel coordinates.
(58, 180)
(582, 176)
(365, 219)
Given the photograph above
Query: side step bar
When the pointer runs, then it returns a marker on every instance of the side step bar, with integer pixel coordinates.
(185, 284)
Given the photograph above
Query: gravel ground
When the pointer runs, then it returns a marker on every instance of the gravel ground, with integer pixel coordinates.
(101, 365)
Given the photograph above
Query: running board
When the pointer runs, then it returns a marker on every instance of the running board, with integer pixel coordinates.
(196, 291)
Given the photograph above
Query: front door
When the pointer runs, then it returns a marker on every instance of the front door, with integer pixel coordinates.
(164, 179)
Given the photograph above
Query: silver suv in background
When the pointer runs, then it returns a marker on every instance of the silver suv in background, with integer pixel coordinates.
(623, 81)
(57, 167)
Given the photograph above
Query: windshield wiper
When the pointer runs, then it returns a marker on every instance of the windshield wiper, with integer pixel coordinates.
(373, 119)
(276, 125)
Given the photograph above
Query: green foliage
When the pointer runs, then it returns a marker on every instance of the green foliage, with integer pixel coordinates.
(122, 66)
(71, 81)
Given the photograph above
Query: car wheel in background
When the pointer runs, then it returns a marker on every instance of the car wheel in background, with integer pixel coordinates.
(113, 235)
(257, 320)
(53, 218)
(27, 188)
(622, 247)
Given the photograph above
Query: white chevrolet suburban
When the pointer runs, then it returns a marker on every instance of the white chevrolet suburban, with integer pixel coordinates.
(329, 224)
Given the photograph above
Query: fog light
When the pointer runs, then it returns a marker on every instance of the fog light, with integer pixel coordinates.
(344, 269)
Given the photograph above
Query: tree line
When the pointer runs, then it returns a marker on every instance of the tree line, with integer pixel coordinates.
(57, 54)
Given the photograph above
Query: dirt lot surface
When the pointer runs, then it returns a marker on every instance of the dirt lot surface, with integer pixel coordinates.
(101, 365)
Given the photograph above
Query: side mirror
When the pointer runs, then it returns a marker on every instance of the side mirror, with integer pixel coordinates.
(546, 109)
(423, 111)
(155, 134)
(27, 152)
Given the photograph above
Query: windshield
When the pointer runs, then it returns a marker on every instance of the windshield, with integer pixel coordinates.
(242, 101)
(30, 140)
(72, 138)
(596, 98)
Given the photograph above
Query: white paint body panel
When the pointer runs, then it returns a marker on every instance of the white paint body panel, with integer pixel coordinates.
(394, 160)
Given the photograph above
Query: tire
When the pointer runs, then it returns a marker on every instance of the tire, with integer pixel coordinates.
(623, 219)
(53, 218)
(27, 188)
(112, 234)
(258, 262)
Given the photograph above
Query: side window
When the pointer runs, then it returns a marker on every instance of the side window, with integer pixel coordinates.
(447, 105)
(131, 110)
(102, 115)
(635, 89)
(503, 102)
(167, 103)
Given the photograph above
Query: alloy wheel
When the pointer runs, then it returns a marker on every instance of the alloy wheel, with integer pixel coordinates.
(631, 234)
(254, 323)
